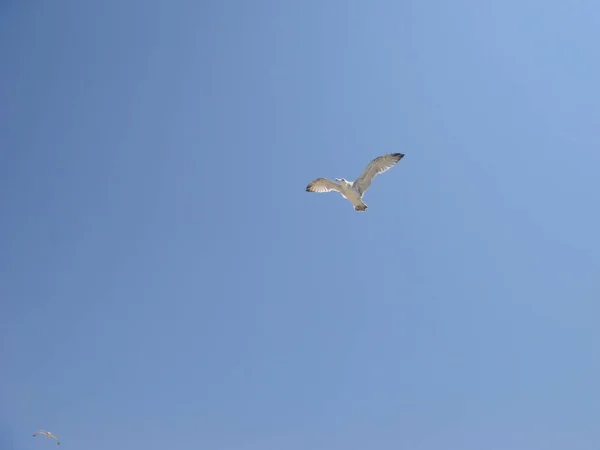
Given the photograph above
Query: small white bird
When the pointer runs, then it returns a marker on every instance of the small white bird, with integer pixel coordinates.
(48, 435)
(354, 191)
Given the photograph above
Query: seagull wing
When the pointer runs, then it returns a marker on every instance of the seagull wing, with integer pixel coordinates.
(322, 185)
(375, 167)
(45, 433)
(55, 437)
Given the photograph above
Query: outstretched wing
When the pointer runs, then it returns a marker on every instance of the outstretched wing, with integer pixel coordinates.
(375, 167)
(322, 185)
(55, 437)
(40, 432)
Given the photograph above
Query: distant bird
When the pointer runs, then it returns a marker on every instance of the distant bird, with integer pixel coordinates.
(354, 191)
(48, 435)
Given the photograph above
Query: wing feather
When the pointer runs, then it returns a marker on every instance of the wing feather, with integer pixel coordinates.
(375, 167)
(322, 185)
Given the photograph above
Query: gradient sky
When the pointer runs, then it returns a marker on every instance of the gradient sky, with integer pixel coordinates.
(167, 283)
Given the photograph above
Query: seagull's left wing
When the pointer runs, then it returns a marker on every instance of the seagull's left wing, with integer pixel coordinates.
(322, 185)
(375, 167)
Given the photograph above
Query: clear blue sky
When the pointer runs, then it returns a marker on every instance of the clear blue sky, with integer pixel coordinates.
(167, 283)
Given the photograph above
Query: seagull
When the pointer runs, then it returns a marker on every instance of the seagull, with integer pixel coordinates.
(48, 435)
(354, 191)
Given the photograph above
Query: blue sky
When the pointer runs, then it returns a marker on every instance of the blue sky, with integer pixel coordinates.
(165, 278)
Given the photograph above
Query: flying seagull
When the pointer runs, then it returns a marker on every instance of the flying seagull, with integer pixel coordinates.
(47, 434)
(354, 191)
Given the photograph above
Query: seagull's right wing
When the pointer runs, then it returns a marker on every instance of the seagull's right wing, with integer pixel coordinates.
(322, 185)
(40, 432)
(378, 165)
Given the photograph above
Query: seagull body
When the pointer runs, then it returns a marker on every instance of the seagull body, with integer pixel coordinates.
(48, 435)
(354, 190)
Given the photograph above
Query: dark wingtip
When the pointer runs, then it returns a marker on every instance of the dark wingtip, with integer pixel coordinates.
(398, 155)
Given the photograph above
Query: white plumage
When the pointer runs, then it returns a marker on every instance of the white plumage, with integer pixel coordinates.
(48, 435)
(354, 191)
